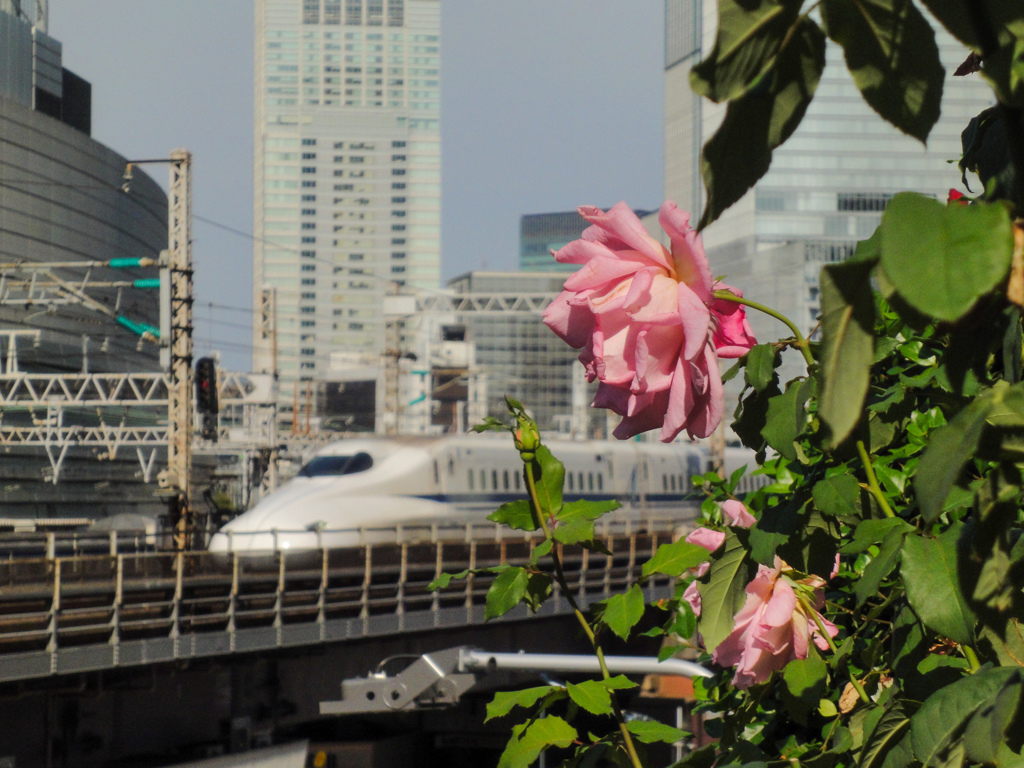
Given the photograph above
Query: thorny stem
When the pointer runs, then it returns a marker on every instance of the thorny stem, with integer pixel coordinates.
(801, 341)
(627, 737)
(873, 486)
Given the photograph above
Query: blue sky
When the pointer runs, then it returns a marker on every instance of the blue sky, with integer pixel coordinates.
(546, 105)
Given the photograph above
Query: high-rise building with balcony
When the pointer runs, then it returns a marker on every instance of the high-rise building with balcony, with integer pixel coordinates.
(347, 172)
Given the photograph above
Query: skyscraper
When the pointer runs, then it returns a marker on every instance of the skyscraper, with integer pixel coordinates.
(347, 172)
(828, 184)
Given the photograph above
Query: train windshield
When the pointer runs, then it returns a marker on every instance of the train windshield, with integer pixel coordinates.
(323, 466)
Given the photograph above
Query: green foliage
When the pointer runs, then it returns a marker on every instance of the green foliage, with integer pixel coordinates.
(942, 259)
(675, 559)
(848, 328)
(530, 739)
(622, 612)
(890, 51)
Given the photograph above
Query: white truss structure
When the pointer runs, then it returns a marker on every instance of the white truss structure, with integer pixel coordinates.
(117, 411)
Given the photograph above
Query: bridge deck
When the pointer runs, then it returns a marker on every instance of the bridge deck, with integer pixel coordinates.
(63, 615)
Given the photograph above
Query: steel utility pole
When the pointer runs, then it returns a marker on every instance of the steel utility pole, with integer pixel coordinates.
(176, 355)
(179, 412)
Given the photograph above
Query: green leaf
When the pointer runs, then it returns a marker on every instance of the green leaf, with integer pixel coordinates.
(651, 731)
(870, 532)
(618, 683)
(576, 519)
(942, 716)
(591, 696)
(949, 449)
(747, 40)
(623, 611)
(886, 736)
(685, 622)
(538, 589)
(442, 581)
(848, 345)
(880, 566)
(515, 514)
(504, 702)
(890, 51)
(804, 681)
(942, 259)
(786, 419)
(756, 123)
(986, 730)
(675, 558)
(760, 368)
(549, 475)
(723, 594)
(930, 576)
(838, 496)
(506, 591)
(530, 739)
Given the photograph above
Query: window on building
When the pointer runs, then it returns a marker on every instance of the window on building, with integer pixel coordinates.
(307, 240)
(309, 198)
(308, 280)
(307, 295)
(308, 254)
(308, 184)
(309, 142)
(398, 158)
(397, 200)
(397, 144)
(309, 225)
(308, 169)
(308, 267)
(307, 323)
(309, 155)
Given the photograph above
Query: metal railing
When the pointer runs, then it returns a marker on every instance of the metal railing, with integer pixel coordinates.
(67, 614)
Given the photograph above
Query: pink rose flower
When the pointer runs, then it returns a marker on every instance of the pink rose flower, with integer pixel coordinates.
(735, 514)
(648, 322)
(774, 626)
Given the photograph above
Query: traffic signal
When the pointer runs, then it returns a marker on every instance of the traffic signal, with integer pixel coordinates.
(206, 397)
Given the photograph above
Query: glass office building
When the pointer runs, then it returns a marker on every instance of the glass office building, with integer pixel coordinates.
(347, 172)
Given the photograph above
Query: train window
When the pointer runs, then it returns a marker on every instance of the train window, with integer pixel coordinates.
(494, 479)
(579, 479)
(672, 482)
(571, 483)
(590, 481)
(483, 480)
(515, 478)
(469, 477)
(321, 466)
(504, 480)
(664, 483)
(600, 482)
(437, 473)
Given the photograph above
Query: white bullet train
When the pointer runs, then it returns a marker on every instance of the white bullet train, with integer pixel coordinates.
(356, 491)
